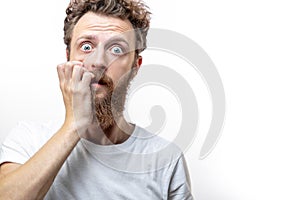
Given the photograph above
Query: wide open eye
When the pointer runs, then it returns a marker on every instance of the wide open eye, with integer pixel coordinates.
(116, 50)
(86, 47)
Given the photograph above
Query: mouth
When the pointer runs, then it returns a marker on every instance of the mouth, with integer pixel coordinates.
(101, 82)
(98, 82)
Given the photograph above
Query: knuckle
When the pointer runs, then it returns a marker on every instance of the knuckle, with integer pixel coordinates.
(61, 85)
(75, 89)
(68, 64)
(77, 68)
(76, 63)
(88, 75)
(60, 65)
(60, 68)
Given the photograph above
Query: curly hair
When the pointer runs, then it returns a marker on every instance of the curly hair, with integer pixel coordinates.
(133, 10)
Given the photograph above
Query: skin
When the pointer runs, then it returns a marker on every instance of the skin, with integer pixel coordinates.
(22, 181)
(98, 33)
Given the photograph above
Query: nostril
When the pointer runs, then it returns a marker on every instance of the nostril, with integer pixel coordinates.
(98, 74)
(99, 67)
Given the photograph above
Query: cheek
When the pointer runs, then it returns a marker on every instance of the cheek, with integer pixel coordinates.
(119, 68)
(74, 56)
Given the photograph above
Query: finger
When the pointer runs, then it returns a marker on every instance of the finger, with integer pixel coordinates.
(77, 63)
(60, 72)
(87, 78)
(77, 73)
(68, 70)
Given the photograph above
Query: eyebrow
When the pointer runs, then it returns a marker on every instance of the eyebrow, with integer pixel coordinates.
(107, 42)
(115, 39)
(87, 37)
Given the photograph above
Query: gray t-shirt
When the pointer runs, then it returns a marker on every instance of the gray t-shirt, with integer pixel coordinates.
(143, 167)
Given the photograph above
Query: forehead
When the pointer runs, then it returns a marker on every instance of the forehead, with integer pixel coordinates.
(102, 26)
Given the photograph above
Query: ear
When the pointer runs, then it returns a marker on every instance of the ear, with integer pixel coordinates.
(139, 62)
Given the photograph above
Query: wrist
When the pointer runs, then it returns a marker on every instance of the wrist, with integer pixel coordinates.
(75, 127)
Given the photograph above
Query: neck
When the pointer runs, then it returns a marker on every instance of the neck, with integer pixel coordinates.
(116, 134)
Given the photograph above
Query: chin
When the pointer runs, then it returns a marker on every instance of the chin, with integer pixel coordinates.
(100, 96)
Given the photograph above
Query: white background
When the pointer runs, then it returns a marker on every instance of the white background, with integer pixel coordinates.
(255, 46)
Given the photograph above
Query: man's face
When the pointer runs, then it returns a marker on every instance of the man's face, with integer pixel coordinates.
(106, 47)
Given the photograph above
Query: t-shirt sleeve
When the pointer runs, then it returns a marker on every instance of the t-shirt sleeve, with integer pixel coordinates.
(180, 185)
(17, 147)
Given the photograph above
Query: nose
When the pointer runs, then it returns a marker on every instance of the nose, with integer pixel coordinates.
(96, 60)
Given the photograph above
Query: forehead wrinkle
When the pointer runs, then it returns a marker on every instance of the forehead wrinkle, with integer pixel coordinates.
(107, 27)
(107, 37)
(91, 32)
(100, 22)
(95, 24)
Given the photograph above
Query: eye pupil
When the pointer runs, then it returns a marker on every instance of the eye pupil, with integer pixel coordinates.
(86, 47)
(117, 50)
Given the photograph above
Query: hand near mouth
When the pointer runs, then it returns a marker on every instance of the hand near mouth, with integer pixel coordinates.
(75, 83)
(101, 79)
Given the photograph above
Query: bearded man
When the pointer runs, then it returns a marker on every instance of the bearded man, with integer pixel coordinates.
(95, 153)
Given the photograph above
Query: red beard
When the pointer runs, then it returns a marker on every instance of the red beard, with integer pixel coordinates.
(110, 108)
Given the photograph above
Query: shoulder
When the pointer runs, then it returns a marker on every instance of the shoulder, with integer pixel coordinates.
(25, 139)
(153, 142)
(156, 148)
(33, 129)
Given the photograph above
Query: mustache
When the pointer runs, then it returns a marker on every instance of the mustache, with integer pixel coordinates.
(102, 78)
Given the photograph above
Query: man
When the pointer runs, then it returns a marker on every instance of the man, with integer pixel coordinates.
(95, 153)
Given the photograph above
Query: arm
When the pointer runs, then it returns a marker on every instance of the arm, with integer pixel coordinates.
(33, 179)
